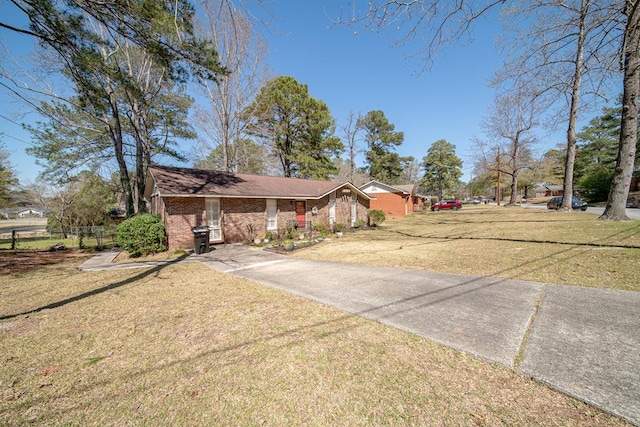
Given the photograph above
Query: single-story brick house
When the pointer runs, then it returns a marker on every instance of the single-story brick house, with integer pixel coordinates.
(548, 190)
(238, 207)
(396, 201)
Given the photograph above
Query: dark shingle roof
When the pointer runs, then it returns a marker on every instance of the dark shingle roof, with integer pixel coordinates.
(191, 182)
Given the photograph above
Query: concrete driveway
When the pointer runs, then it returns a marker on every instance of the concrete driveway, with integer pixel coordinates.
(582, 341)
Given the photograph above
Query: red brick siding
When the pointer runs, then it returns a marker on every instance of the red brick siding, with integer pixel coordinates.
(183, 213)
(322, 207)
(343, 209)
(392, 204)
(417, 204)
(362, 209)
(243, 219)
(286, 212)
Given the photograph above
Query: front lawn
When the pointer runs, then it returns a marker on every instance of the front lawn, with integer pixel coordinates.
(509, 242)
(186, 345)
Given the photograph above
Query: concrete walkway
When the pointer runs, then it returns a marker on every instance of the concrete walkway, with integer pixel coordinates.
(104, 261)
(582, 341)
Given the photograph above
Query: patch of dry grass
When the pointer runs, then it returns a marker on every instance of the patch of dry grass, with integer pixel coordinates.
(185, 345)
(526, 244)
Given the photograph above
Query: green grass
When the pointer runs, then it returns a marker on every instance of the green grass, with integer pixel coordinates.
(186, 345)
(527, 244)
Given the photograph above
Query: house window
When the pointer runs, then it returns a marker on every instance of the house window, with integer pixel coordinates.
(272, 215)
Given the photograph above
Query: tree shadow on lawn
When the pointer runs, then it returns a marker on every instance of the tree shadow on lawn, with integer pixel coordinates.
(626, 233)
(565, 252)
(142, 275)
(340, 323)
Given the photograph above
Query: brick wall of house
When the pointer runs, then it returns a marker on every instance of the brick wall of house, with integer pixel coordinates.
(287, 212)
(322, 207)
(183, 213)
(343, 209)
(243, 219)
(418, 204)
(362, 209)
(392, 204)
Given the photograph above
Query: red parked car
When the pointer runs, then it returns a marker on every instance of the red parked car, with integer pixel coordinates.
(446, 204)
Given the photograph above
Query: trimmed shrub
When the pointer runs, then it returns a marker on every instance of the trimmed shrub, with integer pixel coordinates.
(142, 235)
(340, 227)
(321, 228)
(376, 217)
(359, 223)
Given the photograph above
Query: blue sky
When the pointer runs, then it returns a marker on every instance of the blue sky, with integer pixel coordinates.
(363, 72)
(360, 72)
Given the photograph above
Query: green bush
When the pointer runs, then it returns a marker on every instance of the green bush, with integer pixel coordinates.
(596, 185)
(341, 227)
(321, 228)
(376, 217)
(359, 223)
(142, 235)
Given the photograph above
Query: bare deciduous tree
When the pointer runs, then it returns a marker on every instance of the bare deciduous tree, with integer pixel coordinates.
(510, 129)
(351, 130)
(436, 23)
(241, 50)
(585, 36)
(566, 50)
(617, 201)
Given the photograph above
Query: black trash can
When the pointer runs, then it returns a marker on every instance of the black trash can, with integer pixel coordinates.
(200, 239)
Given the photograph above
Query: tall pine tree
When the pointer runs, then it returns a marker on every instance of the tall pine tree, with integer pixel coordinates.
(297, 129)
(383, 162)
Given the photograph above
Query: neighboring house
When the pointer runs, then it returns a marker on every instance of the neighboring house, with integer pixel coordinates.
(237, 207)
(30, 212)
(396, 201)
(547, 190)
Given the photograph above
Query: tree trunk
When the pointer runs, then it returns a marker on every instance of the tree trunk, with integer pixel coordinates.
(115, 131)
(141, 154)
(515, 166)
(617, 201)
(514, 189)
(567, 189)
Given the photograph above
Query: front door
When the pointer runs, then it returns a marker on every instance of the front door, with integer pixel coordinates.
(301, 214)
(213, 219)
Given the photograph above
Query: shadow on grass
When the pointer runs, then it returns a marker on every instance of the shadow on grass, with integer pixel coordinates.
(334, 325)
(149, 272)
(331, 326)
(625, 233)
